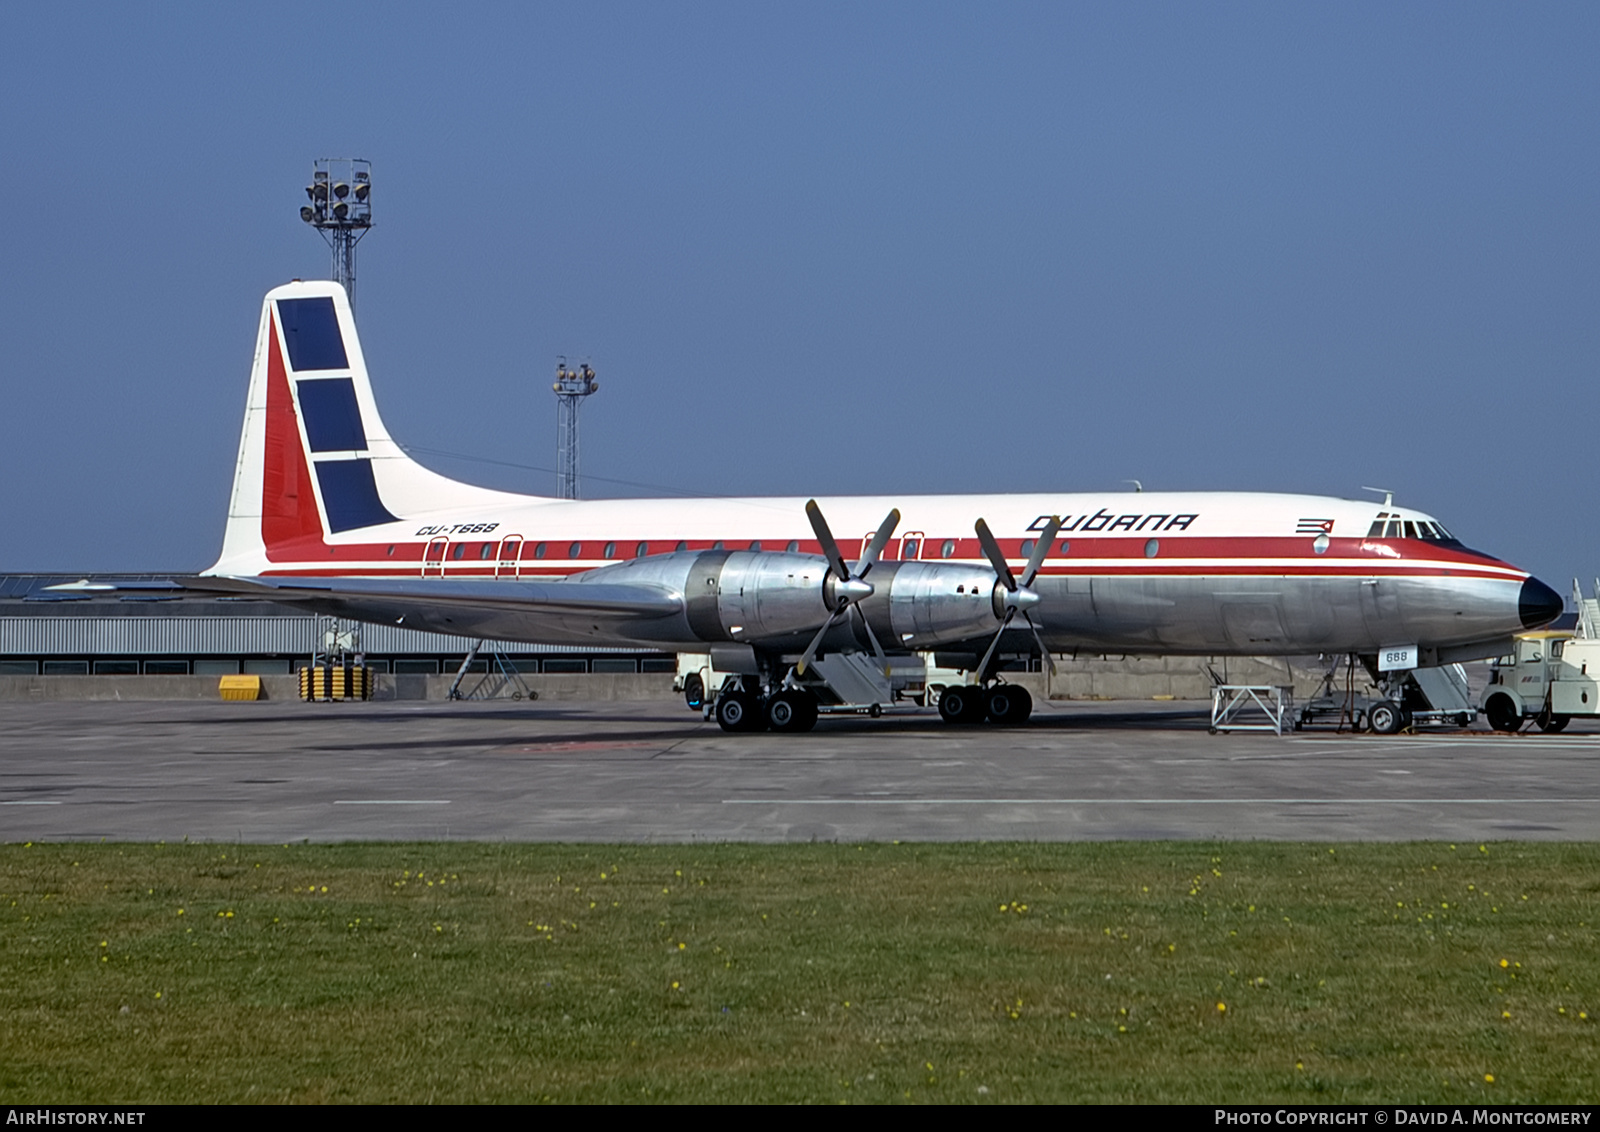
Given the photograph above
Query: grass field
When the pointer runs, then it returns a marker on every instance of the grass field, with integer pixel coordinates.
(1153, 971)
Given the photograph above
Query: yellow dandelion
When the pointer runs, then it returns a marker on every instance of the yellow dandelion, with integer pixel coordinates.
(1222, 1007)
(1489, 1077)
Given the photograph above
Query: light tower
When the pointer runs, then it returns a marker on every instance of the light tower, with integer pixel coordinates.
(572, 386)
(340, 209)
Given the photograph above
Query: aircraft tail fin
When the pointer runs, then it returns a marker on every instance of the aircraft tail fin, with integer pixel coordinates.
(315, 461)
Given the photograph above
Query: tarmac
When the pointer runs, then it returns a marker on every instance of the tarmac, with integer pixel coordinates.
(655, 772)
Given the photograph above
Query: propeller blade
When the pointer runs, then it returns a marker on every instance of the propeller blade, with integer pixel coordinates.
(877, 649)
(1044, 652)
(983, 665)
(996, 559)
(1047, 539)
(880, 540)
(816, 642)
(830, 549)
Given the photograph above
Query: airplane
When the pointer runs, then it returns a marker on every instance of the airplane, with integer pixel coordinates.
(330, 514)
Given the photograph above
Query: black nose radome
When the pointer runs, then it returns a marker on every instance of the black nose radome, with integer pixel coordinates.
(1538, 604)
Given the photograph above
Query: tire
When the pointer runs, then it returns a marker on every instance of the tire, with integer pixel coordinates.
(1502, 714)
(1007, 705)
(1550, 724)
(961, 704)
(1386, 718)
(791, 712)
(738, 711)
(694, 692)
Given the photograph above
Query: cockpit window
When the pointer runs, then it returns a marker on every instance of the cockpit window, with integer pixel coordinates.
(1411, 529)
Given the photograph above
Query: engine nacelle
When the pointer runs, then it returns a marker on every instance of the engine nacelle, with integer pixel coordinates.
(778, 600)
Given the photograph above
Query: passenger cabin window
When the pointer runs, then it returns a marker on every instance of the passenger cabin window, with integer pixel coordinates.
(538, 551)
(641, 550)
(948, 549)
(575, 550)
(610, 551)
(1027, 547)
(794, 546)
(909, 550)
(460, 550)
(487, 551)
(681, 546)
(755, 544)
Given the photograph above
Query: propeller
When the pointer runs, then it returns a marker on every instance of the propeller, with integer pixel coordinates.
(849, 586)
(1019, 598)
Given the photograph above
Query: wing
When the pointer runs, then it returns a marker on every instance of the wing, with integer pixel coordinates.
(553, 612)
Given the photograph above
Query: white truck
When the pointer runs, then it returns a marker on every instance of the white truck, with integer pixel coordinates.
(1546, 677)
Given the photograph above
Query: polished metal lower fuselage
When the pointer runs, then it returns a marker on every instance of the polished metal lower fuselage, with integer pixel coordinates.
(773, 602)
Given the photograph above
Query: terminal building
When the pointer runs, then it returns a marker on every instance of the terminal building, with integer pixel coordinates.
(46, 632)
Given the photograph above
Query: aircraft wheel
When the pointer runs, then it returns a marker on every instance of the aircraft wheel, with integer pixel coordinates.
(1502, 714)
(1007, 704)
(792, 711)
(1385, 718)
(961, 704)
(1550, 724)
(694, 692)
(738, 711)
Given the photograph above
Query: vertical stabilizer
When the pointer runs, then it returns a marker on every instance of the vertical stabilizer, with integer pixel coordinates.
(316, 467)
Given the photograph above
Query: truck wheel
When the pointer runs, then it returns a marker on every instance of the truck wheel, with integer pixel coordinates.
(1502, 714)
(694, 692)
(1385, 718)
(1550, 724)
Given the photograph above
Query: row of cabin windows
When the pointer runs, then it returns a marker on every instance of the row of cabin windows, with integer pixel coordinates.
(1392, 526)
(947, 549)
(486, 550)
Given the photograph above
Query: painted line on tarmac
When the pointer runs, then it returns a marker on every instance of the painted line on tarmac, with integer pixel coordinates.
(392, 802)
(1157, 801)
(30, 803)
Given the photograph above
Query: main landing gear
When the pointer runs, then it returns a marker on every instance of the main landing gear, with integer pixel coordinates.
(1004, 704)
(789, 711)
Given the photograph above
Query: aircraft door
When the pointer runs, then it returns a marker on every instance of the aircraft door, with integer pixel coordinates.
(433, 558)
(510, 557)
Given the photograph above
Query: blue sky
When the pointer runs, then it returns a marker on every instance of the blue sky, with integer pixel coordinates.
(819, 249)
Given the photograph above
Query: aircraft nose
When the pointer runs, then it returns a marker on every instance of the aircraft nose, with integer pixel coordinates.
(1538, 604)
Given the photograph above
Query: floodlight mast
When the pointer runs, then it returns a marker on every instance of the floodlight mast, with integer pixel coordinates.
(571, 387)
(341, 210)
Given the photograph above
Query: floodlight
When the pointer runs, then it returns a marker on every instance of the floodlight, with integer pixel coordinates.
(363, 189)
(341, 211)
(306, 214)
(341, 190)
